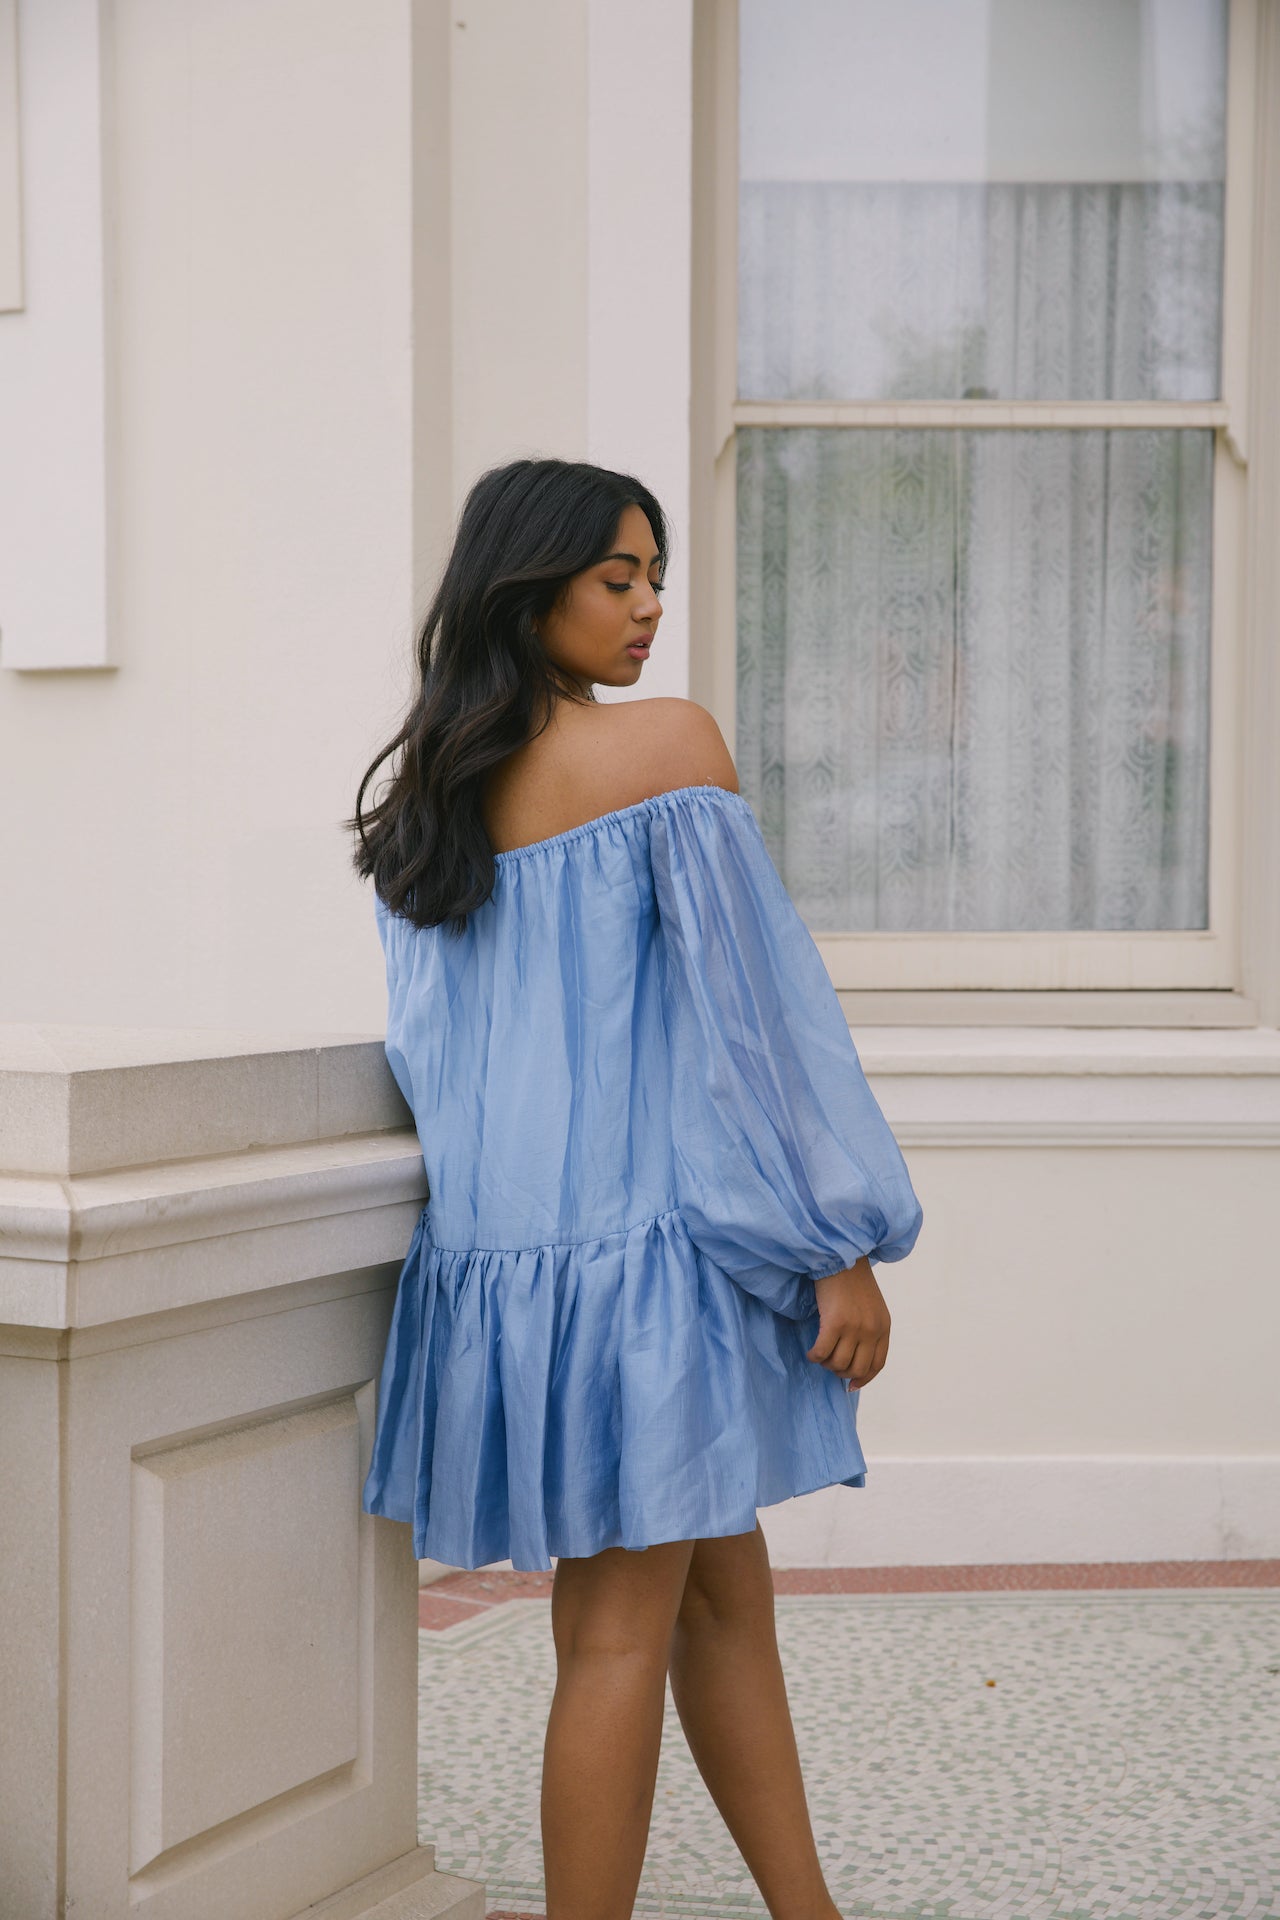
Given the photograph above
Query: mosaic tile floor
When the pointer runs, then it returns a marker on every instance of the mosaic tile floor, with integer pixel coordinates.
(1124, 1766)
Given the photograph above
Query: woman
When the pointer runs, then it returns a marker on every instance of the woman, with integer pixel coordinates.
(639, 1303)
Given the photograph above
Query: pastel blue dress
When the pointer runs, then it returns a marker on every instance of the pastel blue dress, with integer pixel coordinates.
(646, 1133)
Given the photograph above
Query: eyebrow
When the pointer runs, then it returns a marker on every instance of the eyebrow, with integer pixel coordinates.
(634, 558)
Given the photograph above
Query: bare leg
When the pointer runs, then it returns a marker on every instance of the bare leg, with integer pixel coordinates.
(612, 1616)
(730, 1692)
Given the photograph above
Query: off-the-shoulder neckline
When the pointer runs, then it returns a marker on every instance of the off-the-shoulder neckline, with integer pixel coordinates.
(617, 813)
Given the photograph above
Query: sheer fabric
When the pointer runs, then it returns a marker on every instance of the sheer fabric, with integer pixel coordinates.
(782, 1157)
(973, 675)
(1075, 290)
(973, 667)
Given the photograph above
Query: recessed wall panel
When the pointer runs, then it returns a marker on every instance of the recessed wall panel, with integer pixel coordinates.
(244, 1540)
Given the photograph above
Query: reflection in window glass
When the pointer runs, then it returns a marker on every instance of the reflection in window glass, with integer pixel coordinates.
(973, 674)
(1011, 199)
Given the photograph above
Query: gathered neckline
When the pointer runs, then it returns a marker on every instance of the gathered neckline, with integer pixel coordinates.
(617, 813)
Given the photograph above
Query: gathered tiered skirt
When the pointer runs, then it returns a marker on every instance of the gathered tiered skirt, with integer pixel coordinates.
(619, 1391)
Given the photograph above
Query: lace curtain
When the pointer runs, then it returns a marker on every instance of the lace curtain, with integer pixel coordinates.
(973, 665)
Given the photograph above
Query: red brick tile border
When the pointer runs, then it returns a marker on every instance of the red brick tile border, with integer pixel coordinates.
(1032, 1577)
(464, 1595)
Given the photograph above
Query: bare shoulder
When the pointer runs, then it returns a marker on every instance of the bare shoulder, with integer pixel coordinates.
(595, 759)
(666, 743)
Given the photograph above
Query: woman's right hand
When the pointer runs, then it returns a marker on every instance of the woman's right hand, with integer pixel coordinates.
(853, 1332)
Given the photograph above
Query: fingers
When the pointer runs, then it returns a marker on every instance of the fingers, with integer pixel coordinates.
(856, 1356)
(824, 1346)
(868, 1360)
(862, 1362)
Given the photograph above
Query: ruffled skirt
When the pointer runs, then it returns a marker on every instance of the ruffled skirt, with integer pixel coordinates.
(620, 1391)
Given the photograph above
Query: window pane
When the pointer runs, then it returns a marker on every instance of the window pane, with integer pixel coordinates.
(973, 674)
(1015, 199)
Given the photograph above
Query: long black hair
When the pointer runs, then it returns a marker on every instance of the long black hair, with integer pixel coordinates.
(485, 684)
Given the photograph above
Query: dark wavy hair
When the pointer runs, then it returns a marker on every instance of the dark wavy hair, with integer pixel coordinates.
(485, 683)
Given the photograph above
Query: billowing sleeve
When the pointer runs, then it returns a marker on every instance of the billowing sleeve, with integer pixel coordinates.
(785, 1167)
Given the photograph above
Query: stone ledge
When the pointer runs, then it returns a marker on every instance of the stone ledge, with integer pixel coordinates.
(1070, 1087)
(79, 1100)
(1020, 1051)
(172, 1202)
(141, 1240)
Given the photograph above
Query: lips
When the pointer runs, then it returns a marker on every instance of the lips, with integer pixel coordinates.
(639, 646)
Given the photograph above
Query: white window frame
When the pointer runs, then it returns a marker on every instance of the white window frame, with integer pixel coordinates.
(1098, 978)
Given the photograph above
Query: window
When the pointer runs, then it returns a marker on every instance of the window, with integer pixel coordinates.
(979, 487)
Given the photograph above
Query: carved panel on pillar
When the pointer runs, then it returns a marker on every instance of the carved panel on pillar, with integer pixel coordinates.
(244, 1536)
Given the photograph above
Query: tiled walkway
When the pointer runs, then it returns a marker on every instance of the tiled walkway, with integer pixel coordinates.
(1019, 1743)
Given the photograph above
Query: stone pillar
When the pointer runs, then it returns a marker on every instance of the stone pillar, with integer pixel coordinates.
(209, 1653)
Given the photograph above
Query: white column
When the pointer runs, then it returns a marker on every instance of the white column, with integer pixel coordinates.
(210, 1653)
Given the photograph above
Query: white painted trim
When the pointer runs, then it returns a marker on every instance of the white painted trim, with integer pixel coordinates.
(638, 216)
(974, 415)
(713, 445)
(57, 361)
(1178, 1010)
(1057, 1508)
(1140, 1053)
(1080, 1111)
(1243, 47)
(1260, 691)
(435, 399)
(1156, 961)
(10, 163)
(1083, 1133)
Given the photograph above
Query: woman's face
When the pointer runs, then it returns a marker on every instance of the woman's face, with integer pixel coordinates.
(607, 610)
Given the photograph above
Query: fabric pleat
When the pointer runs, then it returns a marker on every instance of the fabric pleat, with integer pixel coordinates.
(558, 1400)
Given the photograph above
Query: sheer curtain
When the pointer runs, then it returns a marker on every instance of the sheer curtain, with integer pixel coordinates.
(973, 665)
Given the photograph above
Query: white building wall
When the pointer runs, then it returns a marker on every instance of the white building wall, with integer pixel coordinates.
(332, 314)
(519, 239)
(639, 283)
(181, 861)
(277, 320)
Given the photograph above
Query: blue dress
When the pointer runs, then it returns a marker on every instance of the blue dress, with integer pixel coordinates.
(646, 1132)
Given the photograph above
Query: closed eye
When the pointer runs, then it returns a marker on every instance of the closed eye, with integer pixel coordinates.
(624, 586)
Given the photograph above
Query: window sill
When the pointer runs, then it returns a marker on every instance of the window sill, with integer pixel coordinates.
(1059, 1086)
(1002, 1008)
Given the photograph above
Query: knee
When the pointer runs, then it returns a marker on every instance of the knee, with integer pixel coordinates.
(617, 1645)
(705, 1604)
(614, 1609)
(729, 1582)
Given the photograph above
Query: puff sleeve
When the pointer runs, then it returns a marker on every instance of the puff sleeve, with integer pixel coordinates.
(785, 1167)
